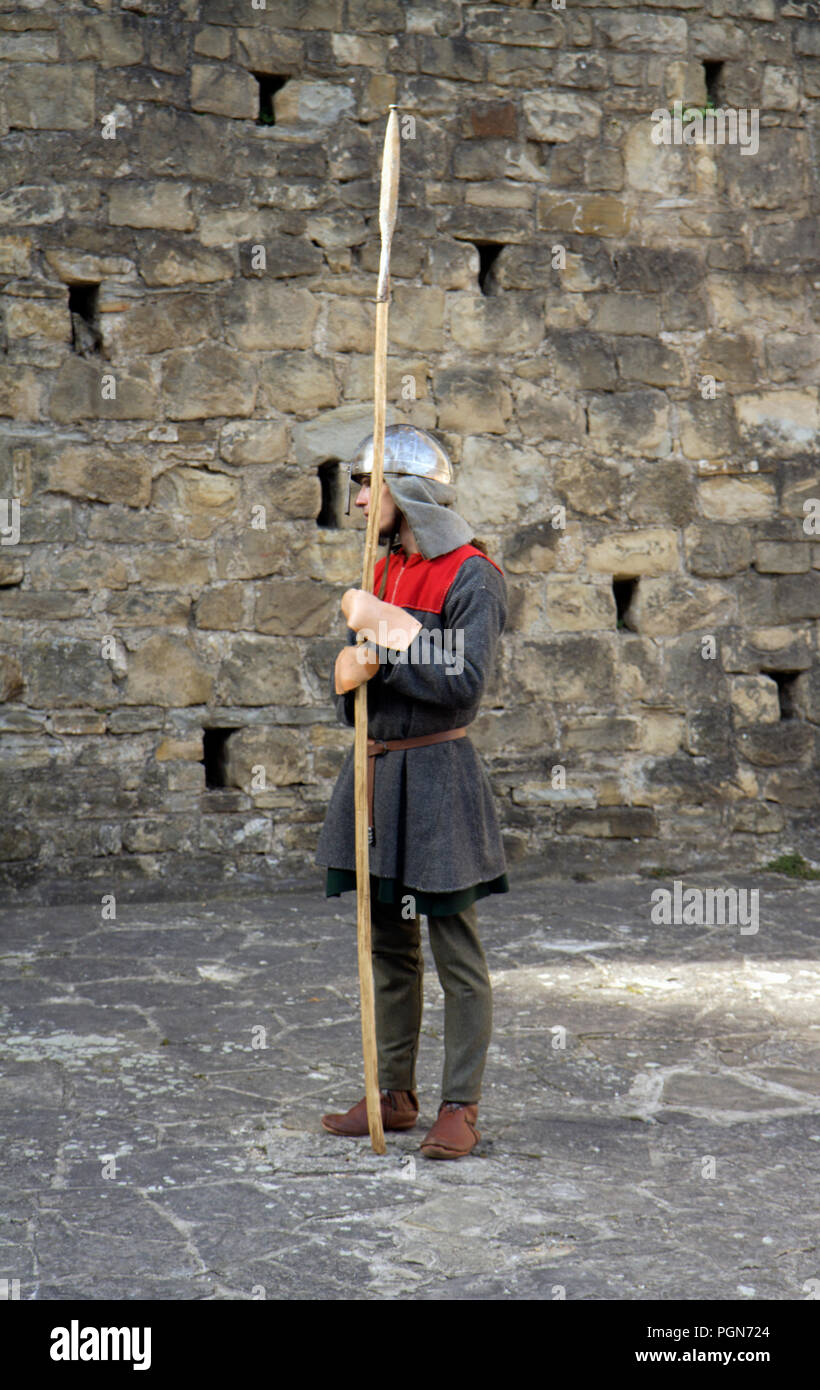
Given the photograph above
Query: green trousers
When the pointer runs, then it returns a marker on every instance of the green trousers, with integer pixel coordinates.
(398, 970)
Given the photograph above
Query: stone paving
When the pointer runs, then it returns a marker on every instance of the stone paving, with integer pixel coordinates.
(650, 1114)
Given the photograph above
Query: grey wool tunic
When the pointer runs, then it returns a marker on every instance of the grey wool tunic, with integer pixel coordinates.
(435, 822)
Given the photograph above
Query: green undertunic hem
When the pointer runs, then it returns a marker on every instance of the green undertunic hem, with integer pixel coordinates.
(386, 890)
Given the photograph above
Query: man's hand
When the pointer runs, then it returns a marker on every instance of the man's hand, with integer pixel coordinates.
(354, 666)
(385, 623)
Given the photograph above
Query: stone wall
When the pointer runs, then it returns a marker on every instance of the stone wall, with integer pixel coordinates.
(614, 338)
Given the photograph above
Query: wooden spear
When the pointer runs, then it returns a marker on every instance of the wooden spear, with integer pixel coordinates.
(388, 201)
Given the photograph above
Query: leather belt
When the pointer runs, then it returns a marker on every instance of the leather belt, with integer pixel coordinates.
(376, 746)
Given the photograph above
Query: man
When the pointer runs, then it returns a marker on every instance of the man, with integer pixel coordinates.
(435, 842)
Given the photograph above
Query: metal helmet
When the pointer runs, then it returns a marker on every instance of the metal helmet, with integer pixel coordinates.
(407, 450)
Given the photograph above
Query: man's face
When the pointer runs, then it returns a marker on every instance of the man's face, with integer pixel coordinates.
(389, 510)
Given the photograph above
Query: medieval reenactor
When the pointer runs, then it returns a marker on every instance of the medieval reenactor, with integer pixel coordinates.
(435, 844)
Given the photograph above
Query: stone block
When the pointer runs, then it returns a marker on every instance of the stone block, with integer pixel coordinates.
(166, 670)
(253, 441)
(656, 169)
(50, 96)
(46, 605)
(638, 32)
(498, 24)
(586, 491)
(557, 117)
(791, 357)
(63, 670)
(21, 393)
(730, 357)
(76, 568)
(453, 265)
(266, 49)
(15, 255)
(417, 319)
(715, 551)
(203, 382)
(306, 102)
(336, 433)
(77, 393)
(533, 549)
(29, 47)
(264, 316)
(511, 323)
(181, 568)
(283, 494)
(501, 193)
(472, 399)
(567, 669)
(296, 382)
(650, 362)
(32, 203)
(250, 553)
(196, 500)
(43, 321)
(518, 67)
(755, 700)
(798, 596)
(669, 604)
(163, 261)
(11, 571)
(771, 745)
(546, 416)
(632, 422)
(162, 204)
(224, 91)
(707, 428)
(350, 327)
(11, 677)
(737, 499)
(757, 818)
(326, 554)
(768, 648)
(626, 312)
(102, 475)
(782, 557)
(113, 41)
(158, 323)
(279, 752)
(610, 823)
(494, 159)
(736, 303)
(575, 605)
(295, 607)
(451, 58)
(261, 671)
(592, 214)
(496, 479)
(491, 120)
(632, 553)
(221, 607)
(584, 360)
(214, 42)
(778, 423)
(136, 608)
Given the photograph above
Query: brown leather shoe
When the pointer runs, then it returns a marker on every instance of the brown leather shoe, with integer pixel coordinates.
(400, 1110)
(454, 1134)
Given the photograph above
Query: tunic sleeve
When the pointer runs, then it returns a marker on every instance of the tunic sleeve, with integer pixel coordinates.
(473, 618)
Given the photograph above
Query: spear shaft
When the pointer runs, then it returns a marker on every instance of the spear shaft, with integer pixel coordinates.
(388, 202)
